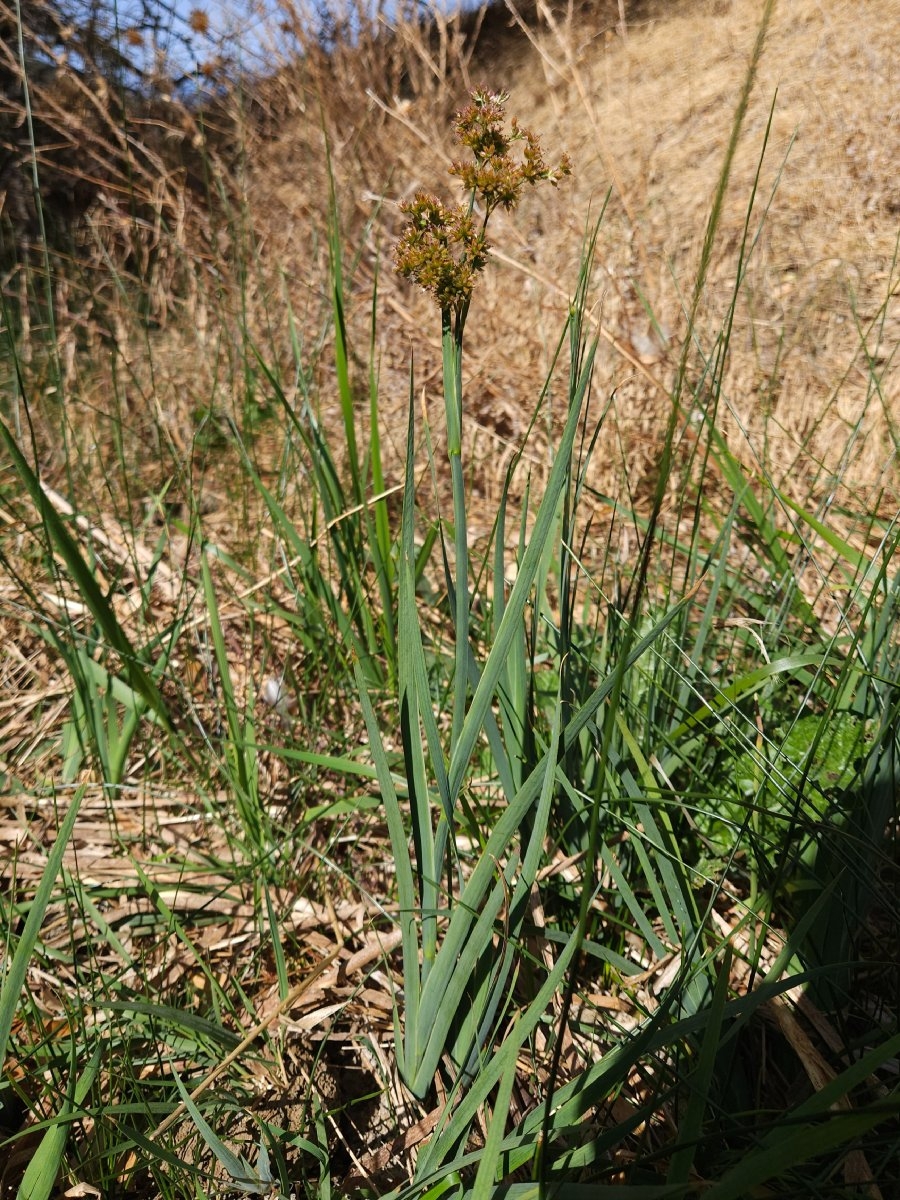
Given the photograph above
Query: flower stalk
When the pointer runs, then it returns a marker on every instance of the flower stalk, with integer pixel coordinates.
(443, 249)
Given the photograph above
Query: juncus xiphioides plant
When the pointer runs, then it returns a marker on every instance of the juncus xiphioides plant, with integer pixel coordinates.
(455, 987)
(444, 249)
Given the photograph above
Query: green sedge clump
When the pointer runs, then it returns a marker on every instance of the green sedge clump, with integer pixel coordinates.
(443, 248)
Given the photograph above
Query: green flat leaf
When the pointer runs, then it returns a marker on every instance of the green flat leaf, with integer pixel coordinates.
(508, 630)
(700, 1081)
(14, 979)
(40, 1176)
(406, 889)
(243, 1176)
(181, 1018)
(100, 608)
(490, 1157)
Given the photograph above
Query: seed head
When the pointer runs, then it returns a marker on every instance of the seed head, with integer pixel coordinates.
(440, 247)
(495, 177)
(441, 250)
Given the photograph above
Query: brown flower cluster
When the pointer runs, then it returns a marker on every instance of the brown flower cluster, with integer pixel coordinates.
(441, 248)
(495, 176)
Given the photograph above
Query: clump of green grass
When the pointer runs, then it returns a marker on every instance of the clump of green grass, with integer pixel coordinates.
(620, 816)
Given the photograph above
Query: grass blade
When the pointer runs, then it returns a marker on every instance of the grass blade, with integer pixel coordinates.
(14, 978)
(41, 1173)
(100, 608)
(515, 608)
(691, 1127)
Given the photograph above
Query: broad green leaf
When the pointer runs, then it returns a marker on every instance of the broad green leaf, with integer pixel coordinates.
(14, 978)
(41, 1173)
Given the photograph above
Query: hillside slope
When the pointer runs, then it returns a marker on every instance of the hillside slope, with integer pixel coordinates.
(645, 110)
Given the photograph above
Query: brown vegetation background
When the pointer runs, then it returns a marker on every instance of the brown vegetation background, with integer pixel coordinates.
(645, 110)
(231, 234)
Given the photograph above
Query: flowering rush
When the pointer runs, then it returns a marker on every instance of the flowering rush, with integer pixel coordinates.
(443, 248)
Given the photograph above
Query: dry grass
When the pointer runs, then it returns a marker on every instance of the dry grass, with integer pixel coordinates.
(646, 111)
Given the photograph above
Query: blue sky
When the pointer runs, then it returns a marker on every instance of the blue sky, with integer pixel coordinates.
(237, 27)
(241, 23)
(242, 29)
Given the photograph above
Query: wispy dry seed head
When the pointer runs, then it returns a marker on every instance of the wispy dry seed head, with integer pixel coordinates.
(199, 21)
